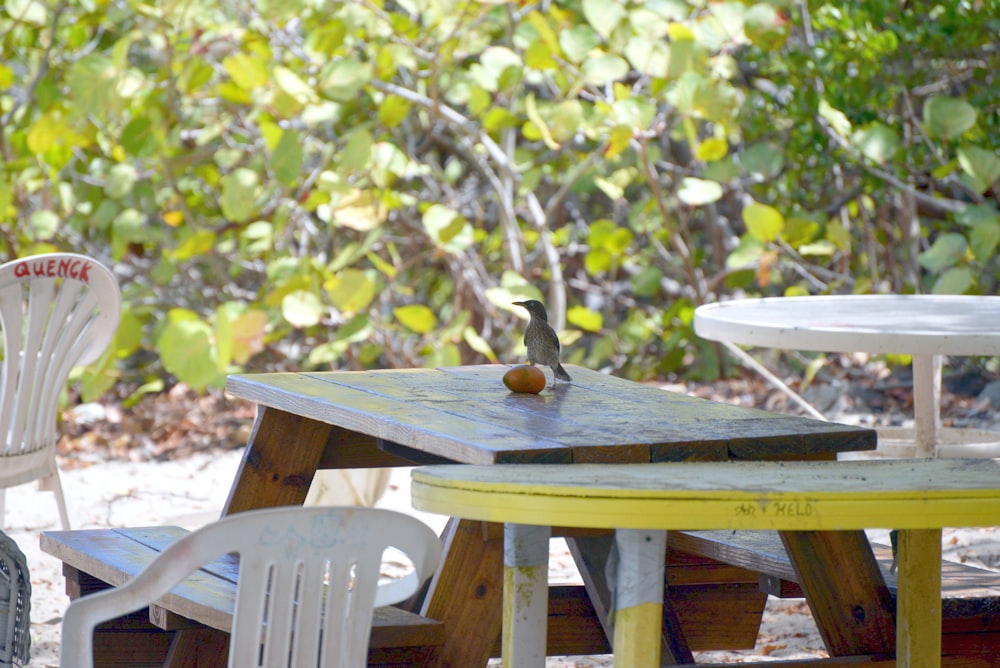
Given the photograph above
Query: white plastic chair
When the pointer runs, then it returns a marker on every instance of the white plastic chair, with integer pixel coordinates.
(308, 584)
(57, 310)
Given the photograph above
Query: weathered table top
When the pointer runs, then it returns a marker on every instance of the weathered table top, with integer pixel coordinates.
(466, 415)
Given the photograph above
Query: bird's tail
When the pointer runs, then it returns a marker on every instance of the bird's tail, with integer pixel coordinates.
(560, 373)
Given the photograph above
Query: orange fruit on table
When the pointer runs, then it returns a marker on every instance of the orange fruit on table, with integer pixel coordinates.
(525, 378)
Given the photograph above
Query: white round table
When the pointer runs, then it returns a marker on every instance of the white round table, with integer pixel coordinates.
(924, 326)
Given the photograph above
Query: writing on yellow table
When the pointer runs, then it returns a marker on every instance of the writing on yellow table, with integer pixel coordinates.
(775, 509)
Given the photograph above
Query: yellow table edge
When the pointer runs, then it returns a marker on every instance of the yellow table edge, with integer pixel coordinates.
(479, 493)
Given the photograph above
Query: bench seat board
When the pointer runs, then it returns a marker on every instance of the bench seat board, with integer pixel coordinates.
(207, 596)
(116, 556)
(967, 591)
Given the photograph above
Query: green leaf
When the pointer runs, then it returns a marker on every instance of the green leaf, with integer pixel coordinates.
(199, 243)
(185, 347)
(764, 27)
(351, 290)
(605, 68)
(302, 308)
(877, 142)
(646, 283)
(248, 330)
(603, 15)
(954, 281)
(764, 223)
(448, 228)
(597, 260)
(239, 195)
(763, 161)
(393, 110)
(649, 56)
(416, 317)
(972, 214)
(980, 164)
(584, 318)
(359, 210)
(138, 138)
(799, 231)
(248, 71)
(357, 153)
(948, 117)
(578, 41)
(567, 119)
(836, 118)
(946, 251)
(44, 224)
(479, 344)
(120, 180)
(712, 149)
(294, 86)
(513, 288)
(698, 192)
(983, 239)
(93, 84)
(286, 158)
(27, 11)
(531, 110)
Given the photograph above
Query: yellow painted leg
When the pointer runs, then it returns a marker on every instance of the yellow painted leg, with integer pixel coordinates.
(525, 595)
(918, 603)
(638, 597)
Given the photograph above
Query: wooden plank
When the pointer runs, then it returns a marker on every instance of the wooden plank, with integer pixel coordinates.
(466, 594)
(721, 495)
(398, 419)
(115, 559)
(279, 462)
(346, 449)
(465, 414)
(967, 592)
(868, 661)
(844, 589)
(198, 648)
(758, 551)
(624, 411)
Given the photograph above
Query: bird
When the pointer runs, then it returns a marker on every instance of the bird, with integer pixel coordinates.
(541, 340)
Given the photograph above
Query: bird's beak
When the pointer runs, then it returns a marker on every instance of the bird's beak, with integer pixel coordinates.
(518, 303)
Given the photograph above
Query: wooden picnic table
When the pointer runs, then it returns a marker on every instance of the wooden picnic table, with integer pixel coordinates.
(308, 421)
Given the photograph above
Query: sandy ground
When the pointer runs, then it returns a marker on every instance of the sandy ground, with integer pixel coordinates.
(191, 491)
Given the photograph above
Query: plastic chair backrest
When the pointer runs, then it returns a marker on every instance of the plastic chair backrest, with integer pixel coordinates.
(57, 310)
(308, 583)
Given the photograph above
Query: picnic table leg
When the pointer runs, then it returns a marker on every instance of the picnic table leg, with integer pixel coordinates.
(845, 590)
(918, 600)
(926, 403)
(279, 463)
(638, 597)
(466, 593)
(591, 554)
(525, 595)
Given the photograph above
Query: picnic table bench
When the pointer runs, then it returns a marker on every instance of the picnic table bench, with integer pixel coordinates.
(202, 605)
(917, 497)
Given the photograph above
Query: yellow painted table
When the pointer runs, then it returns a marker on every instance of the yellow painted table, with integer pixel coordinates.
(918, 497)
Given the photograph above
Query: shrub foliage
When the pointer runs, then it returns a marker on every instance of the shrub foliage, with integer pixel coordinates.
(307, 184)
